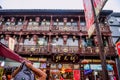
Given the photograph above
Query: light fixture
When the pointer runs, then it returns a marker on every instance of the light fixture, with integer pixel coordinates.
(57, 20)
(85, 61)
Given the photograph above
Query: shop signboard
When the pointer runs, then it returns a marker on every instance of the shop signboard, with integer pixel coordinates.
(65, 58)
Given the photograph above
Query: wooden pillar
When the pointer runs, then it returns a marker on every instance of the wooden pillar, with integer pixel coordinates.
(51, 22)
(65, 39)
(49, 42)
(79, 23)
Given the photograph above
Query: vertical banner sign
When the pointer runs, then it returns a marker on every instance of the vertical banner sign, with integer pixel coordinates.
(89, 16)
(118, 48)
(76, 74)
(11, 43)
(98, 5)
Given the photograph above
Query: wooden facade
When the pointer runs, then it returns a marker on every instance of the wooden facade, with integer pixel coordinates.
(48, 33)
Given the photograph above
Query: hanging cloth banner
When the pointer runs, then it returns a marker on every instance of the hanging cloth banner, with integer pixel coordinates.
(7, 53)
(98, 5)
(89, 16)
(11, 43)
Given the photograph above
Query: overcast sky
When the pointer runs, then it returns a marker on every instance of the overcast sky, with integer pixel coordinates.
(54, 4)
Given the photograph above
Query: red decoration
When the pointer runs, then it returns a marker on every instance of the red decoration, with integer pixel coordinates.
(118, 48)
(76, 74)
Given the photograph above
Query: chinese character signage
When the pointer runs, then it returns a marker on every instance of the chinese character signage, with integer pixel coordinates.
(89, 16)
(118, 48)
(98, 5)
(65, 58)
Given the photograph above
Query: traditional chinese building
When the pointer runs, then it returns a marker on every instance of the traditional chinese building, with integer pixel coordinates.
(57, 41)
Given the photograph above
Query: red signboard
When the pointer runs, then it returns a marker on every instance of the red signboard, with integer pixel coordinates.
(89, 15)
(76, 74)
(98, 5)
(118, 48)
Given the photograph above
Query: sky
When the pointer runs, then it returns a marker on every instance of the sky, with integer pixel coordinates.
(54, 4)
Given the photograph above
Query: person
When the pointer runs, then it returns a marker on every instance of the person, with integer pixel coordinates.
(42, 75)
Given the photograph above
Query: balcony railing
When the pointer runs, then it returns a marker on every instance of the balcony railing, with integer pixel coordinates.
(28, 49)
(65, 28)
(64, 49)
(11, 28)
(103, 28)
(31, 49)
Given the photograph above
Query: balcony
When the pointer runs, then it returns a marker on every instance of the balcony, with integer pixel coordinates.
(11, 28)
(38, 28)
(31, 49)
(103, 28)
(64, 49)
(65, 28)
(28, 49)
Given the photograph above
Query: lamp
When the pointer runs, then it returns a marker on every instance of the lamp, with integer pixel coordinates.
(111, 61)
(85, 61)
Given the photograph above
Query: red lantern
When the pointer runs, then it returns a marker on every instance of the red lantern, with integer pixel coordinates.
(118, 48)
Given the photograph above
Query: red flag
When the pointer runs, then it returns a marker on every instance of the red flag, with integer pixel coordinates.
(89, 16)
(7, 53)
(98, 5)
(61, 78)
(118, 48)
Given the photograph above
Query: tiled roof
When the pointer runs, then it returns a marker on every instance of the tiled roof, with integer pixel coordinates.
(46, 12)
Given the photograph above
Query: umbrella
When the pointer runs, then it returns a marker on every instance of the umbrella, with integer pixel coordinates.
(7, 53)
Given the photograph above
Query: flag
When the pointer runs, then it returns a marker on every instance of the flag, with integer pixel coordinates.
(61, 78)
(98, 5)
(11, 43)
(8, 53)
(118, 48)
(89, 16)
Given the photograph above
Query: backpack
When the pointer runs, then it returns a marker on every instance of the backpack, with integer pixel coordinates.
(24, 74)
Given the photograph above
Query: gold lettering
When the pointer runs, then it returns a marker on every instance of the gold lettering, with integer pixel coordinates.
(66, 58)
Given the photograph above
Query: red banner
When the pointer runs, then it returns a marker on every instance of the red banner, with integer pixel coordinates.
(8, 53)
(118, 48)
(98, 5)
(89, 16)
(76, 74)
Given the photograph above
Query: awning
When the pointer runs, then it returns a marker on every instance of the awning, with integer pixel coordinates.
(7, 53)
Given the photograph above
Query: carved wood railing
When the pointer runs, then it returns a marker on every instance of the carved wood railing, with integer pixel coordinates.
(27, 49)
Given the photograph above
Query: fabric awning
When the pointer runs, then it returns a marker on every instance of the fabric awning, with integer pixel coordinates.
(7, 53)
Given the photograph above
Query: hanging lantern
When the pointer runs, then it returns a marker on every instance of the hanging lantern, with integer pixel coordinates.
(111, 62)
(14, 36)
(85, 61)
(27, 37)
(57, 20)
(44, 36)
(57, 37)
(37, 19)
(35, 37)
(1, 36)
(74, 37)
